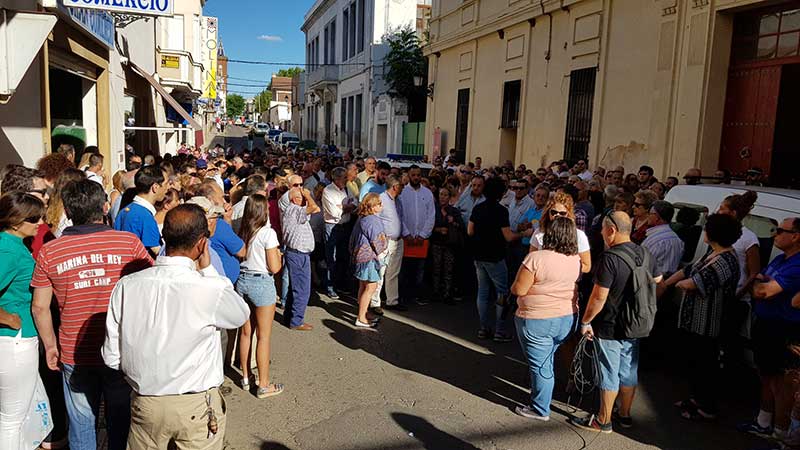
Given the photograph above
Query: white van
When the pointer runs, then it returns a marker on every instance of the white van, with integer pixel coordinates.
(773, 205)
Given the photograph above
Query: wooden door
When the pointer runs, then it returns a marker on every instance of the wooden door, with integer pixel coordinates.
(748, 129)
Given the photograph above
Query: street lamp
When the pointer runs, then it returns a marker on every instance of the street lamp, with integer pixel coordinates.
(419, 81)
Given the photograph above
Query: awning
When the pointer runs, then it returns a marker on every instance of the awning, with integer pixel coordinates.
(172, 102)
(21, 37)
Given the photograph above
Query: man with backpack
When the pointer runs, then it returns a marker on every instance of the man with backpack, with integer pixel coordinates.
(621, 310)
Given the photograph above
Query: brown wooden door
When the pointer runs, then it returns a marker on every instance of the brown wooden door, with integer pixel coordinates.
(748, 130)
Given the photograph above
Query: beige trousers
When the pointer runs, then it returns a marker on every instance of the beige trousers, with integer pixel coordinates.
(155, 421)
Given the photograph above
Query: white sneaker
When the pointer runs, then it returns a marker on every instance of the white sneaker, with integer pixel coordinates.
(360, 324)
(526, 411)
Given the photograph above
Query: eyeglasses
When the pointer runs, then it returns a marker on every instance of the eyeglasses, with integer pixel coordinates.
(553, 212)
(784, 230)
(38, 191)
(33, 219)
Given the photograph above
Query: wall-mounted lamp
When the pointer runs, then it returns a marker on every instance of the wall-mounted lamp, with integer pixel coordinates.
(419, 81)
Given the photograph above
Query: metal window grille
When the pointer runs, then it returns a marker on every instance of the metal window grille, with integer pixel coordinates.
(579, 114)
(462, 120)
(511, 94)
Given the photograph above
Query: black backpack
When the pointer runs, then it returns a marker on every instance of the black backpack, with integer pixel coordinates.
(637, 315)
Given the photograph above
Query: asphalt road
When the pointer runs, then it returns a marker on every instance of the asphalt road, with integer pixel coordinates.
(424, 381)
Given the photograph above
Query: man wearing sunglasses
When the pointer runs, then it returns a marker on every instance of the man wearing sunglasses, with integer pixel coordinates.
(776, 331)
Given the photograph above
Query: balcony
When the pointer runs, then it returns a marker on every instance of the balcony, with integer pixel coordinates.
(178, 69)
(321, 75)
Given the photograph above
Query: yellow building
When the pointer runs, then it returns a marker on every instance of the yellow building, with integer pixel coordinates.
(668, 83)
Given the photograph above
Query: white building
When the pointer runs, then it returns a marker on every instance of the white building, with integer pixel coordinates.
(346, 99)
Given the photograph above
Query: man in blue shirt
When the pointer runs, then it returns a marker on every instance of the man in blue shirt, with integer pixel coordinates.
(776, 332)
(377, 184)
(225, 242)
(139, 217)
(532, 217)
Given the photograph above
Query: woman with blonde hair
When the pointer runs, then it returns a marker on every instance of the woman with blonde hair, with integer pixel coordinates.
(368, 244)
(56, 216)
(257, 285)
(561, 205)
(116, 186)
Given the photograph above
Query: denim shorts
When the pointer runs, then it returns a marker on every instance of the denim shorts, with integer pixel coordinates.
(256, 288)
(619, 362)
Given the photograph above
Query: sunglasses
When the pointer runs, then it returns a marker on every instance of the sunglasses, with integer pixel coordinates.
(641, 205)
(297, 184)
(784, 230)
(38, 191)
(33, 219)
(553, 212)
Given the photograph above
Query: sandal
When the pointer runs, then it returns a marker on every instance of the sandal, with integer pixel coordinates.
(697, 415)
(264, 392)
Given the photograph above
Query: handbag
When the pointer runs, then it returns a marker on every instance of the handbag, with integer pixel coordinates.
(410, 250)
(38, 421)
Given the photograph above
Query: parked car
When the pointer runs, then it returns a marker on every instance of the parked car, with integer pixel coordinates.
(307, 144)
(260, 129)
(773, 205)
(273, 134)
(286, 137)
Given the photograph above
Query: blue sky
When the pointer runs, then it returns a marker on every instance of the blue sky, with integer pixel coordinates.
(260, 30)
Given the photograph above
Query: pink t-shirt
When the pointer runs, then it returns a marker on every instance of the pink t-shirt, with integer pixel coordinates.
(554, 292)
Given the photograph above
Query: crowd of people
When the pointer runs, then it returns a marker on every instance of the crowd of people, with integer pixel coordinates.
(189, 255)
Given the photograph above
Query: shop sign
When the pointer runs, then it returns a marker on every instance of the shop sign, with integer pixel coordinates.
(134, 7)
(170, 62)
(99, 24)
(208, 35)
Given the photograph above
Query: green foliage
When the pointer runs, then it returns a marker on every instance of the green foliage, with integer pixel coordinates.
(405, 61)
(235, 105)
(289, 72)
(261, 101)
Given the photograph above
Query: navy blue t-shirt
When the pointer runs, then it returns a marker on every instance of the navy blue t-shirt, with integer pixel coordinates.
(227, 244)
(786, 272)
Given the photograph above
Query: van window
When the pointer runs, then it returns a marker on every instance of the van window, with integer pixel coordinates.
(764, 228)
(688, 225)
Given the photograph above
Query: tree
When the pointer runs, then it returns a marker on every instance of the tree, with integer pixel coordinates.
(262, 100)
(406, 61)
(289, 72)
(235, 105)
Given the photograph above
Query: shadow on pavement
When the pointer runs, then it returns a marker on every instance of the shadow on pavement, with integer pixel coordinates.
(428, 435)
(269, 445)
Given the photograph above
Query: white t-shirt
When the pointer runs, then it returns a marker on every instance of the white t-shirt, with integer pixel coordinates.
(747, 240)
(583, 241)
(256, 260)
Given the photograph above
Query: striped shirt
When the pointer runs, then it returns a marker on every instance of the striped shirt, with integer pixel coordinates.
(666, 248)
(82, 267)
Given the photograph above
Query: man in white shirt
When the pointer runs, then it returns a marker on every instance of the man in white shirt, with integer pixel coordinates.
(370, 167)
(161, 332)
(95, 170)
(393, 227)
(418, 216)
(337, 204)
(583, 171)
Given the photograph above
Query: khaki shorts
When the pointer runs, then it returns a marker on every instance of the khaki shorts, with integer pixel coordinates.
(155, 421)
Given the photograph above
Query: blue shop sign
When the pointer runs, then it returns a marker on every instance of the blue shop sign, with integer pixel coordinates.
(135, 7)
(99, 24)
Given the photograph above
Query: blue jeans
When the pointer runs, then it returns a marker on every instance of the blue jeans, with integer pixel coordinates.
(298, 265)
(540, 339)
(83, 388)
(492, 317)
(335, 253)
(284, 281)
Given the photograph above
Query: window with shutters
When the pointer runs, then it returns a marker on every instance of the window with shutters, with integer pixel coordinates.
(511, 94)
(579, 114)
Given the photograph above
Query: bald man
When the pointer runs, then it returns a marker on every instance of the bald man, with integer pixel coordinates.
(603, 322)
(692, 176)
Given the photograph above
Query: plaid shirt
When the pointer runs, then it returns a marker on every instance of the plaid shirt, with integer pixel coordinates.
(297, 233)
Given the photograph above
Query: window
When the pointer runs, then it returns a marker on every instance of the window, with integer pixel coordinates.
(353, 20)
(345, 31)
(350, 120)
(360, 26)
(333, 42)
(579, 114)
(343, 123)
(325, 45)
(462, 122)
(357, 126)
(511, 94)
(764, 228)
(766, 35)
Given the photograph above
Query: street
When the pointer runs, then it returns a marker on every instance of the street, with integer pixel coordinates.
(424, 381)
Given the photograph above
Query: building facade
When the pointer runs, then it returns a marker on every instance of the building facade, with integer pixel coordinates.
(347, 102)
(669, 83)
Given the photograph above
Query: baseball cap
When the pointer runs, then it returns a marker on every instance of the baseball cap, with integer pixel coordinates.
(210, 208)
(202, 164)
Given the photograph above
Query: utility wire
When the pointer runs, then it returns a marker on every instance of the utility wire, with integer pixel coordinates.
(269, 63)
(247, 79)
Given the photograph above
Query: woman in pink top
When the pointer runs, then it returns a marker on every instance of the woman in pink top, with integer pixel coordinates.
(548, 306)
